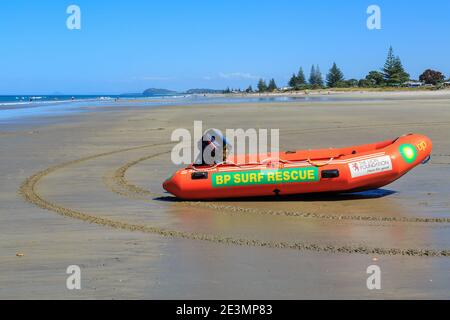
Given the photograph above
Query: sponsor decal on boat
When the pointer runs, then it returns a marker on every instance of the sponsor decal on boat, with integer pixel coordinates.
(252, 177)
(370, 166)
(422, 146)
(408, 152)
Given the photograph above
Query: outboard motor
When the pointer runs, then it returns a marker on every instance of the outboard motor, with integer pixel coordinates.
(213, 146)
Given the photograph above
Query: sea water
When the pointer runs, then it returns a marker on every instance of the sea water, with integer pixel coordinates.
(20, 107)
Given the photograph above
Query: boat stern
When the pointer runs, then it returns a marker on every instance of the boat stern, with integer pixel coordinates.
(171, 185)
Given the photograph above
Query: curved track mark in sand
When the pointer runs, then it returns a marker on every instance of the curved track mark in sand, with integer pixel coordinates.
(131, 190)
(28, 191)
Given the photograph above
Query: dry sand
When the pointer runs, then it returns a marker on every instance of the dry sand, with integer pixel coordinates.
(87, 191)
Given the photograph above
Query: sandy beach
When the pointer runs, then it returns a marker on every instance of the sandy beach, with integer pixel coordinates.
(85, 190)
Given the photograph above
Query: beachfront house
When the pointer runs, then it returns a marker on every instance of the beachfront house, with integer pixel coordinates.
(413, 84)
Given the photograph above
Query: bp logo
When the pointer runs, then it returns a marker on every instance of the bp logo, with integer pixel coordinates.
(408, 152)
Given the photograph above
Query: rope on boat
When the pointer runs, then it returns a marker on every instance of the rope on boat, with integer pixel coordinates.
(262, 162)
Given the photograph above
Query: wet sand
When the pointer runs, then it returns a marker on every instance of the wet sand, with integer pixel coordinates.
(87, 191)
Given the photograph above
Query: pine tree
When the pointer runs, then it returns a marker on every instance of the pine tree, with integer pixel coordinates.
(389, 65)
(249, 89)
(293, 81)
(301, 80)
(334, 76)
(393, 70)
(312, 76)
(272, 85)
(262, 86)
(297, 80)
(319, 79)
(401, 75)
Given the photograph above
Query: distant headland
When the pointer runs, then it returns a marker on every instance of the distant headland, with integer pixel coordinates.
(161, 92)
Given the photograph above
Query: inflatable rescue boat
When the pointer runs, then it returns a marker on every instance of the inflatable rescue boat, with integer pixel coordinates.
(349, 169)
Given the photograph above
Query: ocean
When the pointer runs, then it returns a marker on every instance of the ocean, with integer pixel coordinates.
(17, 108)
(29, 99)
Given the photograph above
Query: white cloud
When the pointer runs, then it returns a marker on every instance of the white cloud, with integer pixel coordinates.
(238, 75)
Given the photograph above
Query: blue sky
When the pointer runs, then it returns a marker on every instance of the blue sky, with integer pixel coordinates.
(128, 46)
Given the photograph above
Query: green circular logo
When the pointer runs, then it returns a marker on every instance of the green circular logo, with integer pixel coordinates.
(408, 152)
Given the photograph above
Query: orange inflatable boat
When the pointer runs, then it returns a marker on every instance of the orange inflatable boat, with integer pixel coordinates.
(347, 169)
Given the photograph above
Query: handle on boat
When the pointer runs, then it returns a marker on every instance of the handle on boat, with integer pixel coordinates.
(319, 165)
(426, 160)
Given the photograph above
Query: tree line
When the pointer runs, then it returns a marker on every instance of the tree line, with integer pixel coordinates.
(392, 74)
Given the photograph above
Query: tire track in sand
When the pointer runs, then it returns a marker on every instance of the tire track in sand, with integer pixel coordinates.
(28, 190)
(29, 193)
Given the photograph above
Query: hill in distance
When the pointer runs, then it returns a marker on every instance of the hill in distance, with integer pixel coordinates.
(157, 91)
(160, 92)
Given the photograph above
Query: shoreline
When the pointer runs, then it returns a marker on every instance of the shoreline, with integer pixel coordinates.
(22, 113)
